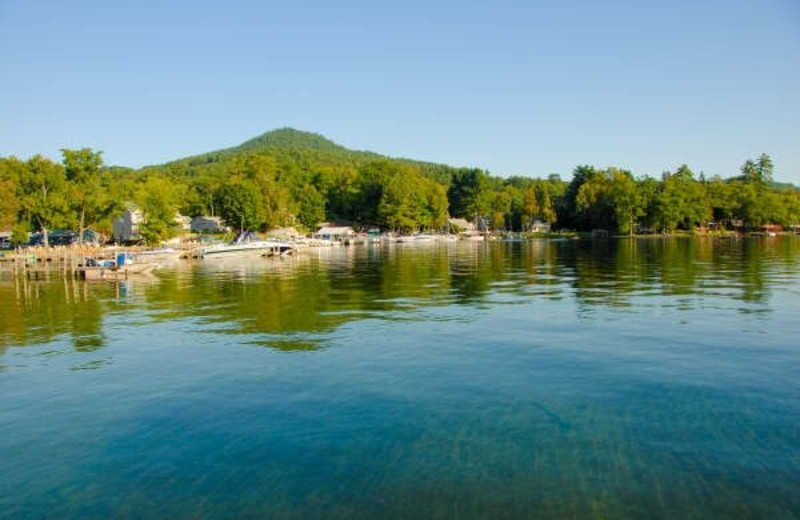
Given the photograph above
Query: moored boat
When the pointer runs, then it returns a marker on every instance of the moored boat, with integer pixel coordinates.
(246, 243)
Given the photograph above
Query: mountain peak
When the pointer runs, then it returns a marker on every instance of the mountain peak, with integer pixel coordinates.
(289, 138)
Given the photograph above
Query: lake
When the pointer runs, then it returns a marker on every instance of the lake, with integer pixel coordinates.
(574, 379)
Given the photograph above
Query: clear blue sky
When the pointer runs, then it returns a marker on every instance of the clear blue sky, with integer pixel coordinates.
(516, 87)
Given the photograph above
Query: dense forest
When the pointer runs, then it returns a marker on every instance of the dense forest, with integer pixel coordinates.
(292, 178)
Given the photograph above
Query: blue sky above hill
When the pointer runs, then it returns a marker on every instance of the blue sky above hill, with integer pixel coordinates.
(515, 87)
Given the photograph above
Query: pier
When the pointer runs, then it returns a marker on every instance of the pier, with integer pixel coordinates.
(40, 263)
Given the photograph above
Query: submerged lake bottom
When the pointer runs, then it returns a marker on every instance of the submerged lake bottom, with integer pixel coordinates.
(580, 379)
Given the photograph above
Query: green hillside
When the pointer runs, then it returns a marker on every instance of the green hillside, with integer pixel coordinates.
(288, 146)
(284, 141)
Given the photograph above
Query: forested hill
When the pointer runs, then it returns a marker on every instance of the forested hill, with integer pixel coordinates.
(291, 139)
(282, 141)
(305, 149)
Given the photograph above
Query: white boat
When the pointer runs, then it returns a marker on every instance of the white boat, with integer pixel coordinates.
(246, 244)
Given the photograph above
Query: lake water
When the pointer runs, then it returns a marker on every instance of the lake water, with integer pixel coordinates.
(576, 379)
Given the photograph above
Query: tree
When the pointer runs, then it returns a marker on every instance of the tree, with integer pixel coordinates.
(501, 207)
(159, 199)
(241, 205)
(721, 197)
(42, 187)
(86, 194)
(648, 193)
(402, 203)
(369, 188)
(10, 170)
(530, 206)
(338, 185)
(470, 193)
(758, 172)
(278, 207)
(574, 213)
(624, 200)
(754, 195)
(436, 206)
(545, 201)
(682, 201)
(311, 206)
(200, 200)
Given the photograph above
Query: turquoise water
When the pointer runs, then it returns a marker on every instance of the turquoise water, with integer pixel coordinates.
(630, 379)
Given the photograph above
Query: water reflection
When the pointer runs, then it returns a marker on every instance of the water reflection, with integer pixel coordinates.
(290, 303)
(525, 380)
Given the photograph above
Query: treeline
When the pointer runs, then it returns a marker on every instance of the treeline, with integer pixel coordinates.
(290, 178)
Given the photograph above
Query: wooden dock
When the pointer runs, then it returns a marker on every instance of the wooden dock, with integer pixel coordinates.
(45, 263)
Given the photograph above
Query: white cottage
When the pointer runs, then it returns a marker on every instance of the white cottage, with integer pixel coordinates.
(539, 226)
(335, 233)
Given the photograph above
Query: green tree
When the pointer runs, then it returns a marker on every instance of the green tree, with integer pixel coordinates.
(500, 209)
(758, 172)
(311, 205)
(530, 206)
(648, 190)
(338, 185)
(10, 171)
(625, 200)
(755, 200)
(278, 208)
(241, 204)
(369, 188)
(682, 201)
(593, 207)
(470, 193)
(43, 190)
(723, 200)
(159, 199)
(86, 193)
(436, 213)
(200, 196)
(544, 200)
(578, 214)
(402, 203)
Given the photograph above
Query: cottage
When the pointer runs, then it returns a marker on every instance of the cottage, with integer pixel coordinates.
(539, 226)
(126, 226)
(335, 233)
(206, 224)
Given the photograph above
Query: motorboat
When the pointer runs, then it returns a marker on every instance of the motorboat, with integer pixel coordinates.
(246, 243)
